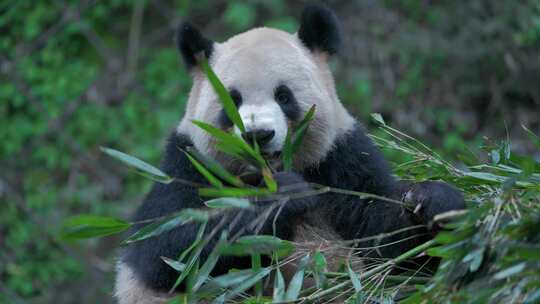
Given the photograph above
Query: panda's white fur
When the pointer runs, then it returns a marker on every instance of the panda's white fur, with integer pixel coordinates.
(129, 290)
(264, 116)
(256, 62)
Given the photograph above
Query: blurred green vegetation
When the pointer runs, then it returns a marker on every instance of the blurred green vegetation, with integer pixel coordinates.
(79, 75)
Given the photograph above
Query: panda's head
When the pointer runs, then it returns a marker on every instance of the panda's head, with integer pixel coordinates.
(274, 77)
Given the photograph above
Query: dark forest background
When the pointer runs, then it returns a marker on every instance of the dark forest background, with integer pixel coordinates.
(77, 75)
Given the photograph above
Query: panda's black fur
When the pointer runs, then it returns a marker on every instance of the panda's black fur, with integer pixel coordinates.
(190, 42)
(354, 163)
(323, 33)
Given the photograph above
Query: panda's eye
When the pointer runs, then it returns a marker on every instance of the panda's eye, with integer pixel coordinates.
(287, 102)
(236, 97)
(282, 94)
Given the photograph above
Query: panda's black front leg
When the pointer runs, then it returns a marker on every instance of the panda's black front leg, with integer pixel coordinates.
(284, 217)
(144, 257)
(399, 229)
(290, 183)
(430, 198)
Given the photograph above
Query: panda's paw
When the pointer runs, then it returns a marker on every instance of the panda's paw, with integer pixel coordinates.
(290, 182)
(433, 198)
(294, 185)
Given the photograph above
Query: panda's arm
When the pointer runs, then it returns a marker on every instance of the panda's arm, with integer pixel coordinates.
(381, 228)
(356, 164)
(144, 257)
(402, 226)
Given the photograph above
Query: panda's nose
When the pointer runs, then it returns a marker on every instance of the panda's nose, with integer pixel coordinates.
(262, 137)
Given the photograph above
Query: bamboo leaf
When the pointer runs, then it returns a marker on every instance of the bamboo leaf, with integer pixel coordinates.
(198, 239)
(176, 265)
(269, 180)
(378, 118)
(195, 249)
(233, 192)
(89, 226)
(535, 138)
(215, 132)
(227, 280)
(210, 262)
(475, 258)
(300, 131)
(355, 280)
(293, 291)
(192, 275)
(216, 168)
(228, 202)
(319, 261)
(287, 152)
(228, 104)
(256, 267)
(527, 252)
(141, 166)
(232, 143)
(510, 271)
(179, 299)
(195, 214)
(279, 287)
(258, 244)
(220, 299)
(293, 140)
(248, 283)
(319, 268)
(533, 297)
(486, 177)
(156, 228)
(191, 263)
(495, 156)
(202, 170)
(439, 251)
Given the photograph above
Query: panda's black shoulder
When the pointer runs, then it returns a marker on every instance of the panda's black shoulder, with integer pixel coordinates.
(165, 198)
(143, 257)
(175, 162)
(354, 163)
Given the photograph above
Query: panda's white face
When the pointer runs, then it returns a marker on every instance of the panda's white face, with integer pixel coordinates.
(270, 78)
(274, 80)
(265, 123)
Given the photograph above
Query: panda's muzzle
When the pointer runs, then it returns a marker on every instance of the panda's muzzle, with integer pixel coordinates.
(261, 137)
(265, 125)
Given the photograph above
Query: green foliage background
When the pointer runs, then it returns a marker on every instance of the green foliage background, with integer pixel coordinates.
(78, 75)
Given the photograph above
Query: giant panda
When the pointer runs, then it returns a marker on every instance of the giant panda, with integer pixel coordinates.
(274, 77)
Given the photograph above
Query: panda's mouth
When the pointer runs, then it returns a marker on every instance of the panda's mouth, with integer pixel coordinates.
(252, 175)
(273, 158)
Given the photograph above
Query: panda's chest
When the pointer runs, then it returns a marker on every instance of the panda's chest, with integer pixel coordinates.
(312, 234)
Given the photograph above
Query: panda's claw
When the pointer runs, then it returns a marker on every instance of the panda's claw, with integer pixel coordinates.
(432, 198)
(417, 209)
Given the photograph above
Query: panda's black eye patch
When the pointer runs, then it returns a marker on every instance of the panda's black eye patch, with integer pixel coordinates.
(285, 98)
(283, 94)
(223, 119)
(236, 97)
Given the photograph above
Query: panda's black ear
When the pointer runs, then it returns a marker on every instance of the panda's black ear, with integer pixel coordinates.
(192, 44)
(319, 29)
